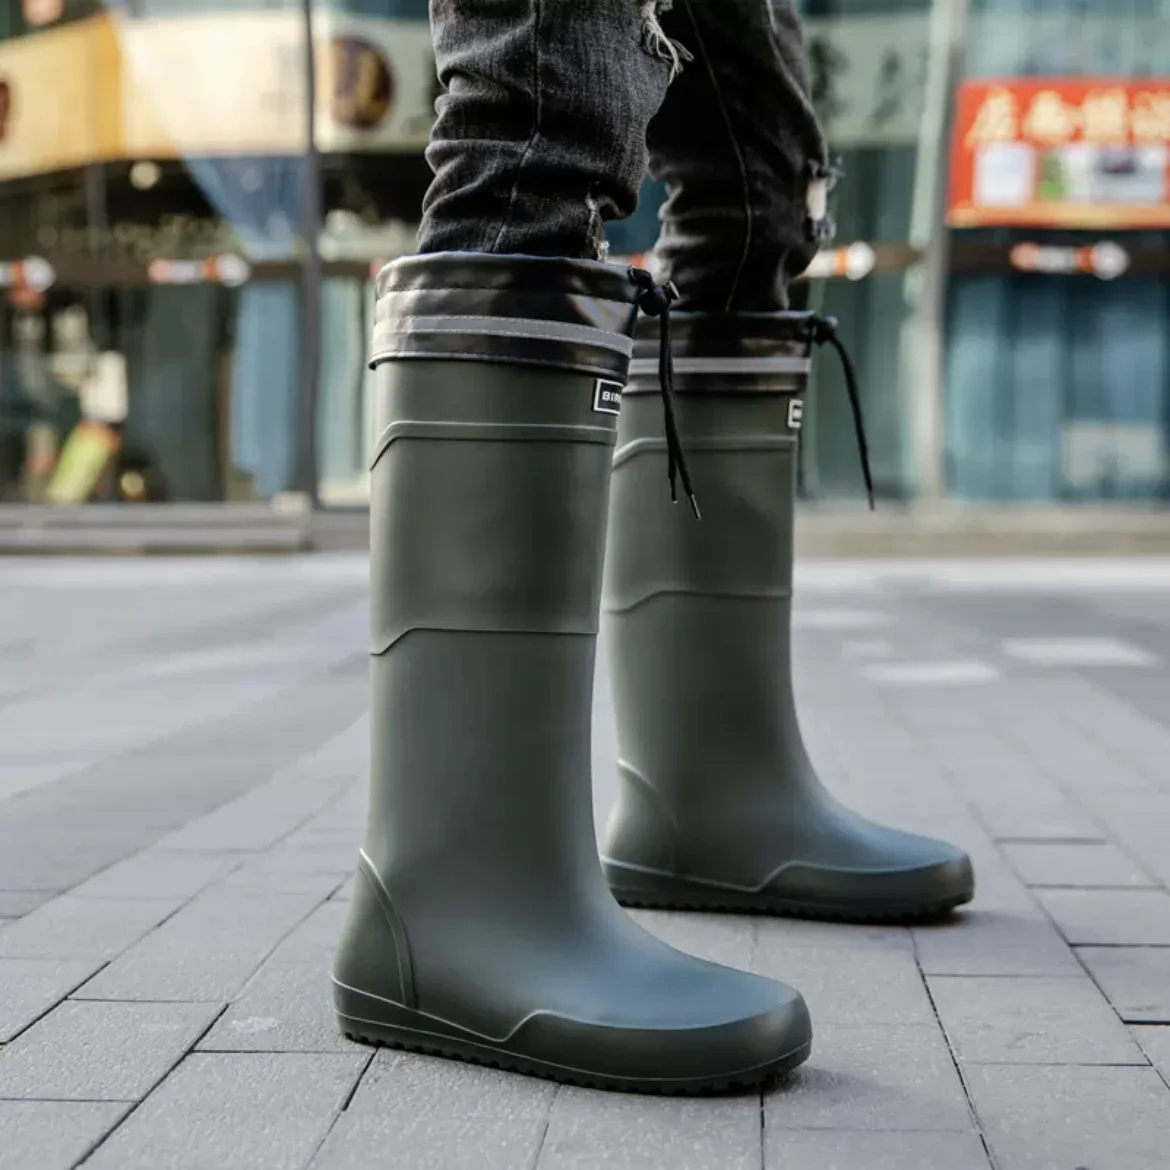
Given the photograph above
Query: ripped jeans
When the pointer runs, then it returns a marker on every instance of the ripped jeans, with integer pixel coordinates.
(554, 110)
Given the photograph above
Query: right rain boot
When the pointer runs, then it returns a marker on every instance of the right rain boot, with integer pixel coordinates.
(719, 806)
(481, 926)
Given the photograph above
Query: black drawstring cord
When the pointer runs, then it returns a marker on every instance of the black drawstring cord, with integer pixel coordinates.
(655, 301)
(824, 331)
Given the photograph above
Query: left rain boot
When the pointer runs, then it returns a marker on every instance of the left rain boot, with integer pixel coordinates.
(719, 806)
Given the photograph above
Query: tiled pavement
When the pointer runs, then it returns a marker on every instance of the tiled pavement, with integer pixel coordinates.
(181, 747)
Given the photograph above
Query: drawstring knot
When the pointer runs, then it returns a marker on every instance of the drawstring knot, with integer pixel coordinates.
(654, 300)
(823, 331)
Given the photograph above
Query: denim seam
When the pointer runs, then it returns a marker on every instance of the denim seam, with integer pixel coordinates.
(534, 137)
(815, 231)
(749, 216)
(798, 91)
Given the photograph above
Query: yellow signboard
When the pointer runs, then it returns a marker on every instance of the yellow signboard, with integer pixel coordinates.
(61, 102)
(226, 83)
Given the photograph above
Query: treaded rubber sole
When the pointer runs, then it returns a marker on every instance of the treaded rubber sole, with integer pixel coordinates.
(381, 1036)
(783, 909)
(661, 892)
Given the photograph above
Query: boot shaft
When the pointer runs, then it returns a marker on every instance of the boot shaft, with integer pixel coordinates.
(489, 493)
(739, 383)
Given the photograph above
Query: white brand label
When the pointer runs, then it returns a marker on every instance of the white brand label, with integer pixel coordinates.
(607, 397)
(795, 414)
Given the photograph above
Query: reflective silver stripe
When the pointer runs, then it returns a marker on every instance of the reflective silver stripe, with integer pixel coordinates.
(525, 327)
(780, 364)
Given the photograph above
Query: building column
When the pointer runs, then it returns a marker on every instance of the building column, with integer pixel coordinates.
(923, 340)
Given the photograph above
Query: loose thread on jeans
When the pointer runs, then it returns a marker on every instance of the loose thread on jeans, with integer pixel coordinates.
(824, 332)
(655, 301)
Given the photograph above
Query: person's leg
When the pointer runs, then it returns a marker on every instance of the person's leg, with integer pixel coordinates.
(541, 134)
(719, 805)
(480, 925)
(740, 150)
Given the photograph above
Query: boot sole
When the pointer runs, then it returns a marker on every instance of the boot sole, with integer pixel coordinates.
(427, 1042)
(665, 893)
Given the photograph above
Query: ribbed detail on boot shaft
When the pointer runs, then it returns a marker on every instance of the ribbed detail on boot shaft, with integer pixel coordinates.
(560, 314)
(727, 353)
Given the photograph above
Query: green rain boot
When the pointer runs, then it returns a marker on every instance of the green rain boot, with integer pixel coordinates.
(719, 806)
(481, 926)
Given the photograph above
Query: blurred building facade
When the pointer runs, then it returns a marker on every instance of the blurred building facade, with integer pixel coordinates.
(1001, 273)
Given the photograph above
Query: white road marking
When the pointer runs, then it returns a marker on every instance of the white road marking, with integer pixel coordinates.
(840, 619)
(1077, 652)
(1054, 574)
(958, 672)
(867, 648)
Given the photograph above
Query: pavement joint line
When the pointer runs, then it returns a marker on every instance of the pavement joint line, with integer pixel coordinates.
(153, 1088)
(1055, 777)
(763, 1132)
(547, 1122)
(69, 996)
(341, 1110)
(1046, 840)
(976, 1121)
(1096, 886)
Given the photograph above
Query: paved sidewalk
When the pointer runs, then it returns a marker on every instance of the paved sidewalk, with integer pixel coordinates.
(181, 751)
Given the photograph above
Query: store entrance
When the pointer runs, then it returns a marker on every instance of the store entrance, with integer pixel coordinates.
(149, 393)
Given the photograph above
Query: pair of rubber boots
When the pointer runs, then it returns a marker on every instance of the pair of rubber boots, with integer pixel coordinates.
(481, 925)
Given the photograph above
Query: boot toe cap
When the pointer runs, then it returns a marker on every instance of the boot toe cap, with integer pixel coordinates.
(906, 877)
(725, 1030)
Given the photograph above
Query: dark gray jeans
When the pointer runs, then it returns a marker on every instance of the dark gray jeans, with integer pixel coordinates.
(554, 108)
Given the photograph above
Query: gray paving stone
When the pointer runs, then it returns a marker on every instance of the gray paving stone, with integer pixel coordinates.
(587, 1129)
(1030, 764)
(314, 940)
(155, 873)
(793, 932)
(872, 1077)
(1061, 1118)
(1141, 823)
(286, 1007)
(39, 861)
(997, 886)
(22, 777)
(101, 1051)
(1136, 980)
(718, 938)
(305, 870)
(994, 943)
(30, 987)
(788, 1149)
(53, 1135)
(344, 892)
(1031, 1021)
(237, 1111)
(1155, 1043)
(875, 987)
(18, 903)
(82, 928)
(404, 1105)
(206, 952)
(1082, 865)
(1117, 917)
(258, 819)
(1029, 820)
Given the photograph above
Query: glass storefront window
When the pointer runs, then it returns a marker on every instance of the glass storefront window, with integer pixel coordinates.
(1058, 386)
(152, 253)
(170, 219)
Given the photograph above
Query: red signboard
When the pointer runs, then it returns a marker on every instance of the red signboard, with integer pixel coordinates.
(1065, 153)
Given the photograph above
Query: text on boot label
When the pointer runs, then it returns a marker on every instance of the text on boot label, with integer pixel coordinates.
(795, 414)
(607, 397)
